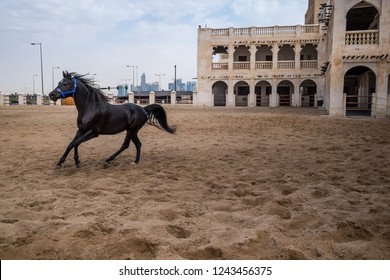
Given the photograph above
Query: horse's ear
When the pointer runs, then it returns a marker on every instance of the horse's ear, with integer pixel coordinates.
(64, 73)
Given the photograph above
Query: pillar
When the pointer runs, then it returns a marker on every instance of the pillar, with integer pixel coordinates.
(152, 97)
(173, 97)
(1, 99)
(296, 97)
(297, 51)
(39, 99)
(195, 98)
(273, 98)
(275, 50)
(374, 105)
(252, 96)
(131, 97)
(230, 101)
(21, 99)
(381, 91)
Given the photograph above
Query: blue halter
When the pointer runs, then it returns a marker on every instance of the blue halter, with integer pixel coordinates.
(67, 93)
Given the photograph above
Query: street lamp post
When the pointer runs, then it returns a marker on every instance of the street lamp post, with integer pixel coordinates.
(133, 75)
(40, 48)
(159, 79)
(35, 75)
(93, 79)
(52, 74)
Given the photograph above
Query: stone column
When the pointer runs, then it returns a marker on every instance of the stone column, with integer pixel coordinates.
(381, 91)
(273, 99)
(252, 58)
(195, 98)
(230, 57)
(152, 97)
(131, 97)
(252, 96)
(21, 99)
(373, 105)
(344, 105)
(275, 50)
(230, 96)
(296, 97)
(173, 97)
(297, 51)
(39, 99)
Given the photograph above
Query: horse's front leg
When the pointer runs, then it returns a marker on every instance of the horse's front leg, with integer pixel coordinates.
(77, 140)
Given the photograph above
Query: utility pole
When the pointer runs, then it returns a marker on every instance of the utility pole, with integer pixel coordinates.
(40, 49)
(175, 79)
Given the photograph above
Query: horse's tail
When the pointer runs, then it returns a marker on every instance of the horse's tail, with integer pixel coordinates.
(158, 117)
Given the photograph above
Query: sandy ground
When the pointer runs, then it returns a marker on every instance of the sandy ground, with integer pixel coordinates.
(231, 184)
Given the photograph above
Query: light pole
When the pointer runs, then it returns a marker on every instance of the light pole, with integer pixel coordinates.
(133, 75)
(159, 78)
(93, 79)
(40, 48)
(52, 74)
(35, 75)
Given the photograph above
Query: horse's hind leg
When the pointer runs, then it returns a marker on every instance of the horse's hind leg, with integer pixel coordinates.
(125, 145)
(76, 156)
(138, 145)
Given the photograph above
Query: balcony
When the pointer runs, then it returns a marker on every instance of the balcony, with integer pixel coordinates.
(244, 65)
(286, 64)
(263, 65)
(364, 37)
(220, 66)
(309, 64)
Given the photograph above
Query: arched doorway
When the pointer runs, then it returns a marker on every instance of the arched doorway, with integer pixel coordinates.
(359, 84)
(308, 89)
(263, 90)
(219, 91)
(285, 90)
(241, 92)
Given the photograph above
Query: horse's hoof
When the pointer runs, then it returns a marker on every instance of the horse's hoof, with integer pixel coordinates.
(78, 165)
(58, 166)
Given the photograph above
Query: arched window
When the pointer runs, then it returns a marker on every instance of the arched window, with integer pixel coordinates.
(362, 25)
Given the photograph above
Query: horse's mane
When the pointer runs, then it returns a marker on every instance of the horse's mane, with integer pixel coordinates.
(88, 82)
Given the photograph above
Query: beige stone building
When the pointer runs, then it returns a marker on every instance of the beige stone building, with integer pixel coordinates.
(338, 59)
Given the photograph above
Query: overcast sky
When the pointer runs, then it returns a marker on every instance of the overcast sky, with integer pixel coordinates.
(103, 36)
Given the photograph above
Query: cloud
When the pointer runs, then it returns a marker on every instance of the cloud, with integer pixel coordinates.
(103, 36)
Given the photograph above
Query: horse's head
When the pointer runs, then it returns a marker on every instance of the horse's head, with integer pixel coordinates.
(66, 87)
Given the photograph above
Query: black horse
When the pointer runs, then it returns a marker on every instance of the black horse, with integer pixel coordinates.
(96, 116)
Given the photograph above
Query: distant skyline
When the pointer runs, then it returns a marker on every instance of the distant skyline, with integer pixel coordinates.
(102, 37)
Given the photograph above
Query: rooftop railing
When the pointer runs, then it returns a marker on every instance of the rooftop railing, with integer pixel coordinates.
(267, 31)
